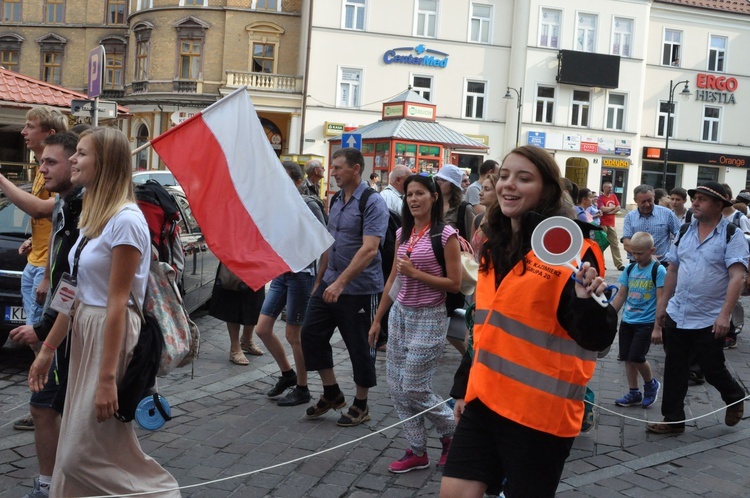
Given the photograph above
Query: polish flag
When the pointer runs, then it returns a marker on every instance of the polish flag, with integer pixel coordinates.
(250, 212)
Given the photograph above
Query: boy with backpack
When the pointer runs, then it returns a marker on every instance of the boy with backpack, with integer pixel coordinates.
(641, 286)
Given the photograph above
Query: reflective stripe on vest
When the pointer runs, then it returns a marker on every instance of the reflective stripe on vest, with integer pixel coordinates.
(527, 368)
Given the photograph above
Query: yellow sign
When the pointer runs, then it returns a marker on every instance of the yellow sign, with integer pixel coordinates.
(393, 110)
(616, 162)
(420, 112)
(333, 129)
(482, 139)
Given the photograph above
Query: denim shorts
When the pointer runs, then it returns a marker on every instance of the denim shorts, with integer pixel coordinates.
(635, 341)
(291, 290)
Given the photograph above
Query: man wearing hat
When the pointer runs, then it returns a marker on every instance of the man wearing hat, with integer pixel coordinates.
(707, 264)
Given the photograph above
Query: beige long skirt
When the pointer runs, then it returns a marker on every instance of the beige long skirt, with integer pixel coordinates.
(101, 458)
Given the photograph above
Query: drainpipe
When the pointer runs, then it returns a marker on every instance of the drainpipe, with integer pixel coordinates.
(307, 73)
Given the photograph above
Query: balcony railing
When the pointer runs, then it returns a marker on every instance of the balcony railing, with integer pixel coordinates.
(113, 93)
(140, 86)
(185, 86)
(263, 81)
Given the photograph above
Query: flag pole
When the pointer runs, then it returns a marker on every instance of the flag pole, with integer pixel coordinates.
(138, 149)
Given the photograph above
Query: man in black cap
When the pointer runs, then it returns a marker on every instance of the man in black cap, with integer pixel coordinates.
(707, 264)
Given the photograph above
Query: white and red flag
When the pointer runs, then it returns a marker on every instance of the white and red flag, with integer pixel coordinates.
(250, 212)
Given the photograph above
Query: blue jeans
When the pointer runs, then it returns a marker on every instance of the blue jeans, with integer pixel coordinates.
(291, 290)
(30, 279)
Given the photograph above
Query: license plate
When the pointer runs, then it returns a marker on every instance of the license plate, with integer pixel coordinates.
(15, 314)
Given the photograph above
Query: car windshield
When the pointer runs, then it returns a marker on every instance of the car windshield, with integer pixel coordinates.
(165, 178)
(13, 221)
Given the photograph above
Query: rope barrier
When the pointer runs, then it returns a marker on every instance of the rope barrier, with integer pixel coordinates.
(270, 467)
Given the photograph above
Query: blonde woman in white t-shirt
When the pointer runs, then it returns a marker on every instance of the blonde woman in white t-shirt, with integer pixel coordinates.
(418, 321)
(97, 454)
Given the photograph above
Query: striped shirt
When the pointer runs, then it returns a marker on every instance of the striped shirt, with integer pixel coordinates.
(413, 292)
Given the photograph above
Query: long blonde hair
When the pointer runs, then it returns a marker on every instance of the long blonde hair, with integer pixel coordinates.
(113, 184)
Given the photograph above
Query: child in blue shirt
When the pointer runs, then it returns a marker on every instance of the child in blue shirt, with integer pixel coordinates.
(641, 286)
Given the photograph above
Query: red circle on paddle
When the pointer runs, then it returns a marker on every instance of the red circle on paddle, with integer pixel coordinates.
(557, 240)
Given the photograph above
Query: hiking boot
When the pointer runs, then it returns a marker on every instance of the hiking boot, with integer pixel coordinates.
(650, 393)
(409, 462)
(446, 442)
(631, 398)
(284, 383)
(38, 491)
(353, 417)
(295, 397)
(323, 405)
(25, 424)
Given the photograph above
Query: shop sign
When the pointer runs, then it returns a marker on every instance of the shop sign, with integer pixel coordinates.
(589, 144)
(178, 117)
(719, 89)
(537, 138)
(333, 129)
(482, 139)
(425, 56)
(616, 162)
(392, 110)
(572, 143)
(606, 145)
(421, 112)
(623, 147)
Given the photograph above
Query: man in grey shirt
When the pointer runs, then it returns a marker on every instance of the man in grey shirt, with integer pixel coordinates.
(393, 194)
(472, 193)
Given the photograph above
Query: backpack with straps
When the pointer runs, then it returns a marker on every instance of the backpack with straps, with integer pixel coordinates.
(731, 228)
(314, 199)
(453, 300)
(387, 247)
(654, 271)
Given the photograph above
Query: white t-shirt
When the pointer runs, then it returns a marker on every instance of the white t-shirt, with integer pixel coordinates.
(127, 227)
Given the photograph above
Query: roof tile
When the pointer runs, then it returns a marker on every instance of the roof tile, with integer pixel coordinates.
(736, 6)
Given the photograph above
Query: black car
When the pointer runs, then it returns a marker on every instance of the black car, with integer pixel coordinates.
(15, 227)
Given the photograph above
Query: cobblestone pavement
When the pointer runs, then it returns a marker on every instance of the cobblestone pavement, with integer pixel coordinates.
(225, 425)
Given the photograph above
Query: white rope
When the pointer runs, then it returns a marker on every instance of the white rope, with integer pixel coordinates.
(143, 493)
(664, 421)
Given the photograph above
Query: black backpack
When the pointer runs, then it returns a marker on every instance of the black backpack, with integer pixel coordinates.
(388, 246)
(453, 300)
(654, 271)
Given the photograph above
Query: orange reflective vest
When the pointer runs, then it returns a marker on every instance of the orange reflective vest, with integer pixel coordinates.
(526, 367)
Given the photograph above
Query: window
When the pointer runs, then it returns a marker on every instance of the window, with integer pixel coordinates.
(12, 11)
(616, 111)
(671, 52)
(264, 57)
(481, 16)
(579, 115)
(52, 67)
(711, 116)
(549, 28)
(662, 119)
(349, 87)
(267, 5)
(586, 33)
(354, 14)
(474, 101)
(717, 52)
(422, 85)
(113, 70)
(622, 37)
(9, 59)
(193, 3)
(115, 12)
(545, 104)
(54, 12)
(141, 139)
(141, 61)
(426, 18)
(190, 59)
(144, 4)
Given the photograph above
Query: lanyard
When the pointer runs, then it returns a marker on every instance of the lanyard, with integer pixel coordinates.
(77, 256)
(415, 238)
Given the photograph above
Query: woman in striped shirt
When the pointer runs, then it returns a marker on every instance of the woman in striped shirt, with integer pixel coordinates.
(418, 320)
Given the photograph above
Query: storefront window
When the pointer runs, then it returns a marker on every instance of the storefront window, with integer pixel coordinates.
(382, 154)
(707, 174)
(653, 173)
(406, 154)
(429, 158)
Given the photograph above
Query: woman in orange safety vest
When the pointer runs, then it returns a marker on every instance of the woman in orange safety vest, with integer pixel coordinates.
(536, 334)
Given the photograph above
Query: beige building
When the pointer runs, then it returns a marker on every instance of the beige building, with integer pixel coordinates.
(166, 59)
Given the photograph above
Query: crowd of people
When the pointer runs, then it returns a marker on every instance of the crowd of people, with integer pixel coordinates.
(520, 387)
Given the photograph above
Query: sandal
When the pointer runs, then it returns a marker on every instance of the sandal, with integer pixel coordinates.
(665, 428)
(250, 348)
(323, 405)
(238, 358)
(353, 417)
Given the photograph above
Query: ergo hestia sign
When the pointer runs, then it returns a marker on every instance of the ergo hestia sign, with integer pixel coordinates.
(719, 89)
(428, 59)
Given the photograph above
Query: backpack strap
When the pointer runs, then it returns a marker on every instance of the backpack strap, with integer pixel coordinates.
(736, 218)
(461, 220)
(731, 228)
(689, 215)
(654, 272)
(362, 205)
(629, 269)
(683, 228)
(436, 239)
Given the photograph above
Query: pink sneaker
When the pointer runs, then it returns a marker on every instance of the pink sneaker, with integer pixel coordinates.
(446, 442)
(408, 462)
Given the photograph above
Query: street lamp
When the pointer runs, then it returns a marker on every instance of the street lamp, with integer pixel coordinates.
(685, 94)
(519, 103)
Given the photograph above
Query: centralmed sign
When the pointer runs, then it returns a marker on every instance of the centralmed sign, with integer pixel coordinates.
(424, 56)
(353, 140)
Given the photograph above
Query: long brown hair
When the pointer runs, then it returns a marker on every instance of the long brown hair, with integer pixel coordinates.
(112, 186)
(504, 248)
